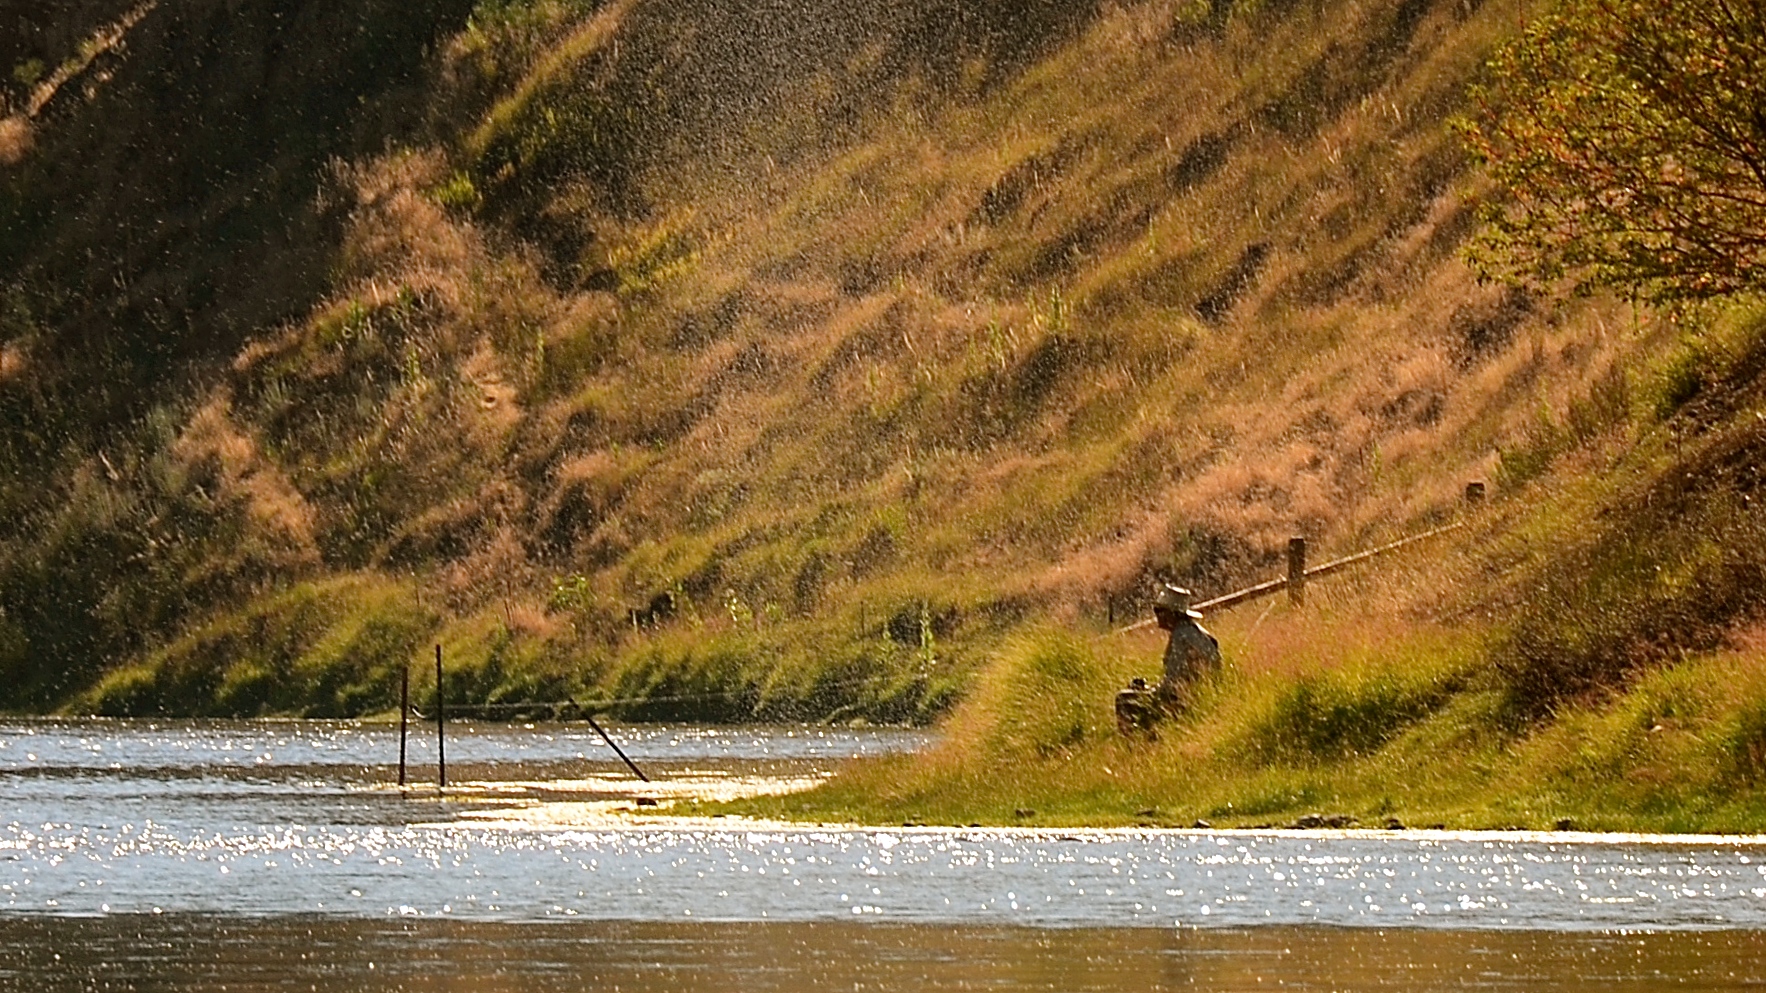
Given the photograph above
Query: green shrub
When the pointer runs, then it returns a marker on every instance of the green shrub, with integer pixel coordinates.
(712, 679)
(330, 649)
(458, 192)
(1746, 745)
(1654, 587)
(1681, 379)
(1047, 691)
(1341, 715)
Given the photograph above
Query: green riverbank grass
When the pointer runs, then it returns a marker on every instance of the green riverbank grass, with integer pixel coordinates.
(324, 649)
(1379, 724)
(334, 649)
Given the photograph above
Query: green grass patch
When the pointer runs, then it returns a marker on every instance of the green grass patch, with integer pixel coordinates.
(1411, 729)
(326, 649)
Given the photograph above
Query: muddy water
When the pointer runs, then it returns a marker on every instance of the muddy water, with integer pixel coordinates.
(277, 856)
(326, 955)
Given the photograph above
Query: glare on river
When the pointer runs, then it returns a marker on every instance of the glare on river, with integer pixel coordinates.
(267, 819)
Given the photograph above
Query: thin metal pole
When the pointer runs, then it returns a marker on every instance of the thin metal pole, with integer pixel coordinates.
(404, 716)
(610, 743)
(441, 745)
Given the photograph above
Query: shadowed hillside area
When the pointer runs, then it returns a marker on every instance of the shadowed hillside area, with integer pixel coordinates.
(747, 360)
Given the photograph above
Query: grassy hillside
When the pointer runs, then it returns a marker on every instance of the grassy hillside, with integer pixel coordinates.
(734, 364)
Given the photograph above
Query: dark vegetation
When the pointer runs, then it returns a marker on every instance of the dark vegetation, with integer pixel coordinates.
(166, 211)
(1675, 561)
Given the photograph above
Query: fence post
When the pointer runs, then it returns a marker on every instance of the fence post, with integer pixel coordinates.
(441, 746)
(404, 715)
(1297, 571)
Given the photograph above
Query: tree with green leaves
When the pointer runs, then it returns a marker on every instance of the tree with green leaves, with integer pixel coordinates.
(1629, 140)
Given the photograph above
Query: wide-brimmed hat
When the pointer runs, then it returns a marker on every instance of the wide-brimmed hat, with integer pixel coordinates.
(1175, 599)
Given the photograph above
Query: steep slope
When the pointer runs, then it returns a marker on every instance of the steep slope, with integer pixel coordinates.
(158, 208)
(732, 363)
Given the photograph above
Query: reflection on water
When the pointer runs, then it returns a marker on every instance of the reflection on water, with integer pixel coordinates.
(206, 746)
(209, 955)
(258, 856)
(667, 871)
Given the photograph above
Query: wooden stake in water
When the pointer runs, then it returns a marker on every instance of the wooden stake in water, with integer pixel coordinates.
(404, 716)
(611, 743)
(441, 717)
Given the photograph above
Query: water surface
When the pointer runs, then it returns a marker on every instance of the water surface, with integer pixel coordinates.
(344, 955)
(279, 856)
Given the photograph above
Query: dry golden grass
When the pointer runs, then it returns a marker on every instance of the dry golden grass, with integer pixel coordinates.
(15, 139)
(995, 352)
(274, 505)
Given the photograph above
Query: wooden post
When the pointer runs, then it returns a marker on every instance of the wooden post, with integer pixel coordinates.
(1474, 493)
(1297, 571)
(441, 746)
(1111, 608)
(404, 716)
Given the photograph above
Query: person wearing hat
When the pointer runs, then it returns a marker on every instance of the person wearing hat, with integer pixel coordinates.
(1192, 652)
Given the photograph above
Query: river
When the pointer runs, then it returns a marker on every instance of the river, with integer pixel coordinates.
(280, 855)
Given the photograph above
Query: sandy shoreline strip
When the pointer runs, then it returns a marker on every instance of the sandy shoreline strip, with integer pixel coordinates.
(613, 806)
